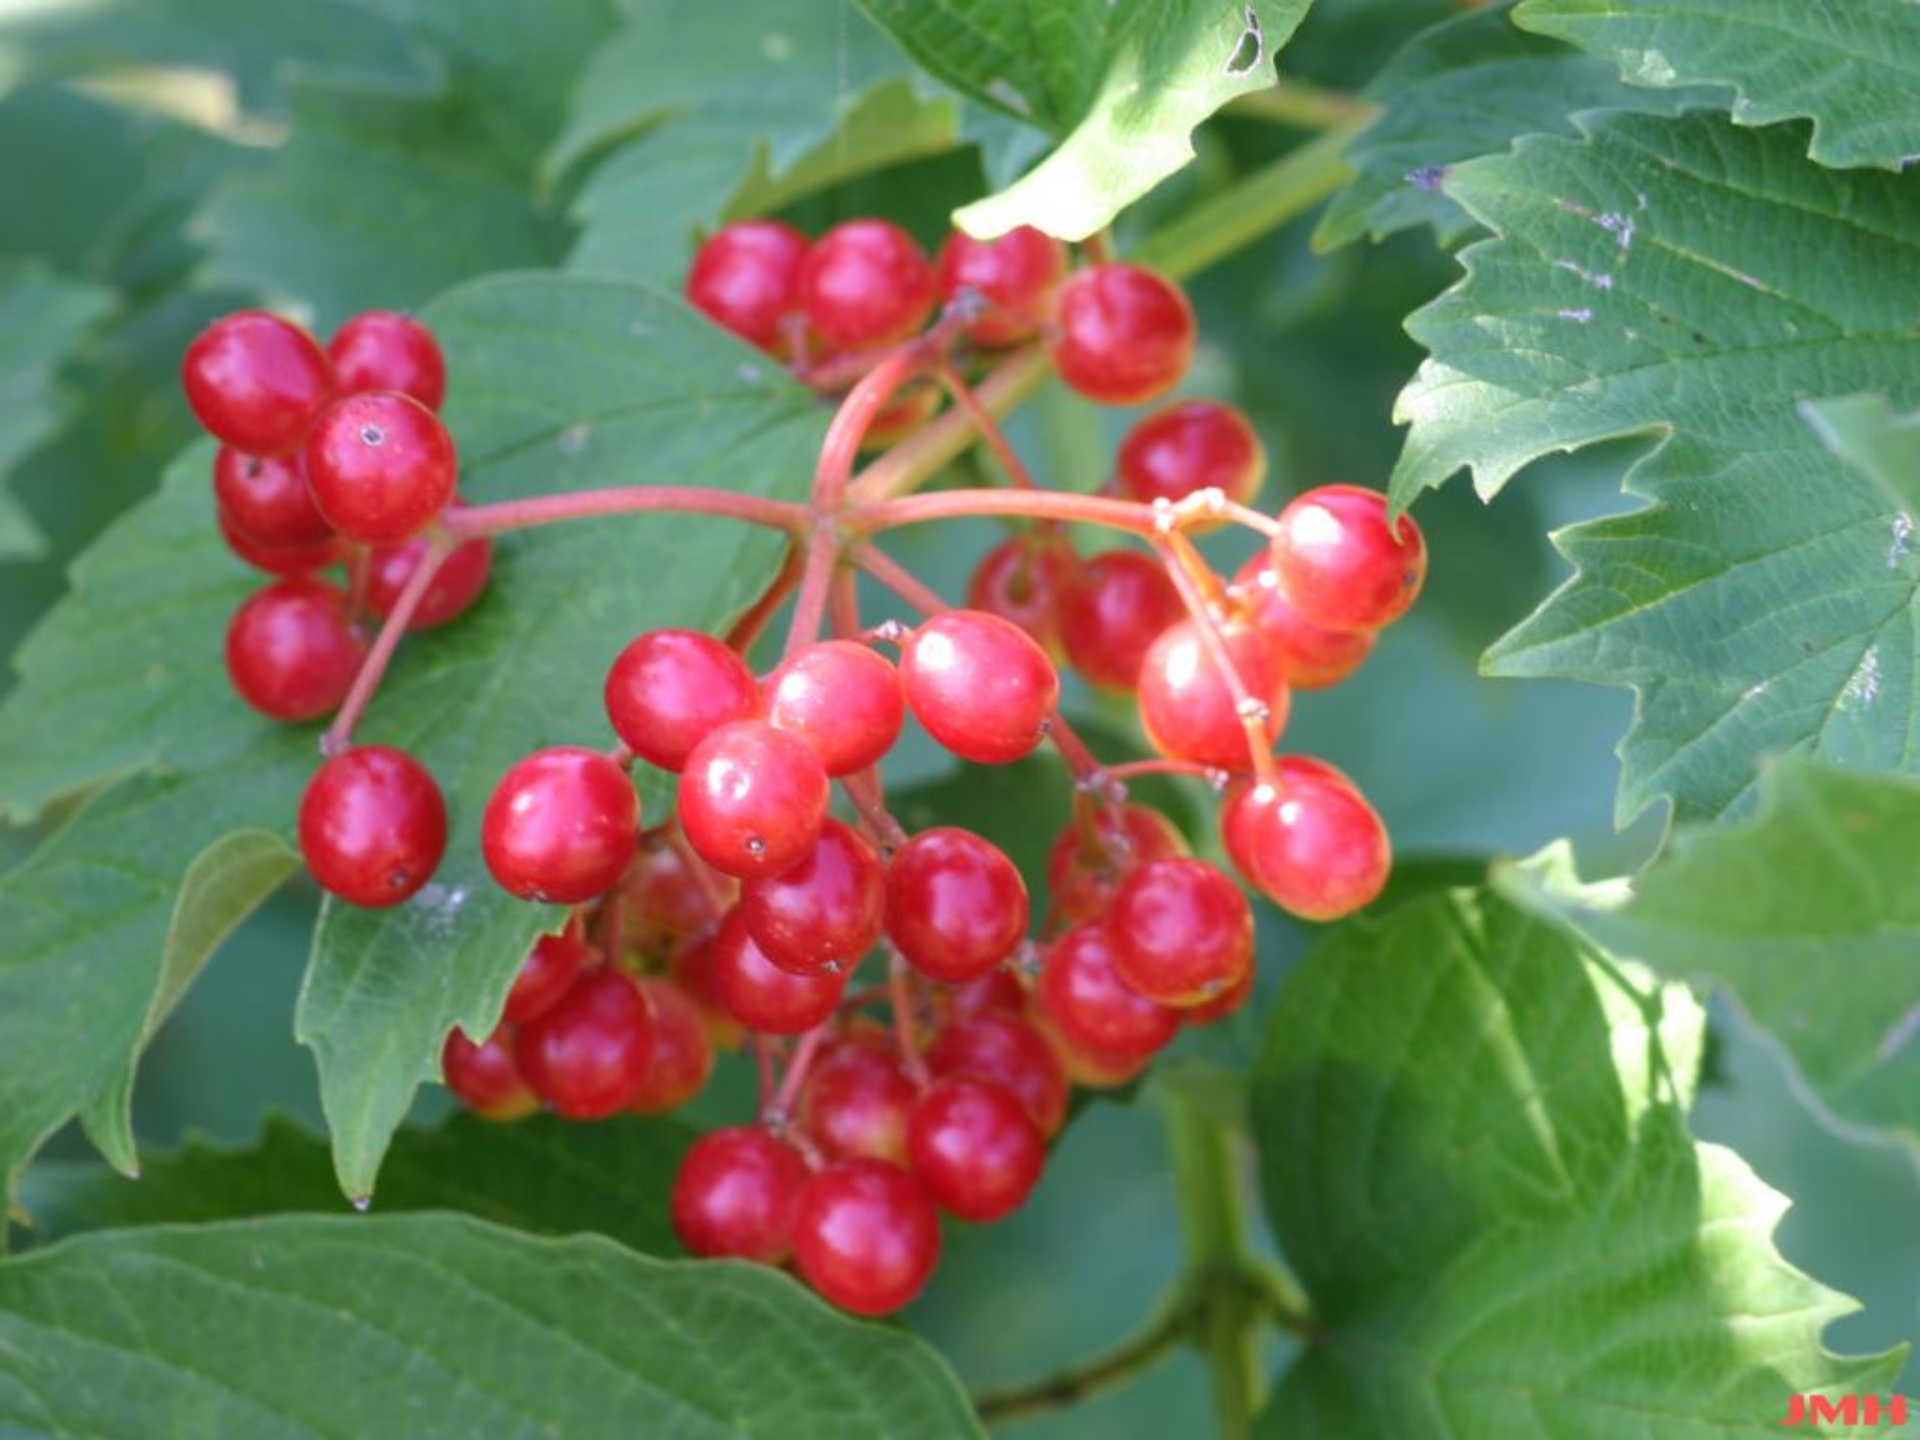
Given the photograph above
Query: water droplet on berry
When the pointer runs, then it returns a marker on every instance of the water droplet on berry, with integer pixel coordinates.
(756, 846)
(372, 435)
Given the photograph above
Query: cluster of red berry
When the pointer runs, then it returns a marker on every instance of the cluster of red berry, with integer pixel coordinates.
(754, 909)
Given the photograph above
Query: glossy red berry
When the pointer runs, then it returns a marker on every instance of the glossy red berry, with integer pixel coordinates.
(1339, 562)
(280, 559)
(667, 895)
(825, 911)
(682, 1058)
(381, 466)
(256, 382)
(692, 966)
(746, 278)
(1027, 580)
(1013, 275)
(974, 1148)
(865, 1236)
(1182, 932)
(998, 992)
(1313, 656)
(840, 697)
(736, 1195)
(545, 975)
(1082, 995)
(587, 1057)
(1008, 1051)
(449, 595)
(485, 1078)
(752, 799)
(670, 689)
(856, 1103)
(1098, 849)
(1094, 1069)
(980, 685)
(956, 905)
(1121, 605)
(1186, 705)
(561, 826)
(1310, 843)
(373, 826)
(866, 283)
(1187, 447)
(1122, 335)
(265, 498)
(1228, 1001)
(292, 652)
(762, 996)
(386, 350)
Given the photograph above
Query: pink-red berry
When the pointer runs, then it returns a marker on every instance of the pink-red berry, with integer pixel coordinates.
(1013, 275)
(736, 1195)
(256, 382)
(1187, 447)
(292, 651)
(458, 582)
(825, 911)
(866, 283)
(561, 827)
(1122, 335)
(956, 906)
(373, 826)
(840, 697)
(1122, 603)
(1182, 932)
(1309, 842)
(865, 1236)
(670, 689)
(485, 1078)
(1187, 706)
(386, 350)
(974, 1149)
(746, 278)
(982, 687)
(381, 466)
(587, 1057)
(1341, 565)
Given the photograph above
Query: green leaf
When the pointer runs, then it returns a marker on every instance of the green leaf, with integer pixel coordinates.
(104, 934)
(42, 319)
(391, 188)
(1474, 1149)
(754, 107)
(1685, 278)
(439, 1326)
(1121, 85)
(558, 383)
(1849, 68)
(1808, 915)
(1863, 431)
(542, 1174)
(1468, 87)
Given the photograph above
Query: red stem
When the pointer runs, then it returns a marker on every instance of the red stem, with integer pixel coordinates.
(1136, 769)
(789, 1093)
(339, 735)
(810, 605)
(905, 1036)
(506, 515)
(749, 627)
(988, 427)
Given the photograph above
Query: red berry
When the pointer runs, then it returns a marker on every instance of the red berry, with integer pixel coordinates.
(1096, 1069)
(856, 1102)
(1313, 656)
(866, 283)
(279, 559)
(980, 685)
(1191, 446)
(1310, 843)
(692, 966)
(1182, 932)
(1186, 707)
(669, 689)
(587, 1057)
(485, 1078)
(1013, 274)
(746, 278)
(1026, 580)
(1123, 603)
(1083, 996)
(561, 826)
(381, 466)
(666, 896)
(974, 1148)
(825, 911)
(1122, 335)
(450, 594)
(256, 382)
(762, 996)
(1225, 1003)
(956, 905)
(736, 1195)
(865, 1236)
(682, 1051)
(386, 350)
(752, 799)
(292, 652)
(1341, 565)
(1098, 849)
(265, 498)
(841, 698)
(545, 975)
(373, 826)
(998, 992)
(1008, 1051)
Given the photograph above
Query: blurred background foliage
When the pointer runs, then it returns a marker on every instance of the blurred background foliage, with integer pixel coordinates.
(169, 161)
